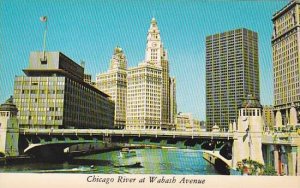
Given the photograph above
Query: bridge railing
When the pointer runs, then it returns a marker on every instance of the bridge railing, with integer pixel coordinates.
(123, 132)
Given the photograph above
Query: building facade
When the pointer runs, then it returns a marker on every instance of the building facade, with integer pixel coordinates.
(114, 83)
(88, 78)
(165, 100)
(53, 94)
(286, 64)
(144, 97)
(149, 87)
(173, 104)
(268, 117)
(186, 123)
(232, 72)
(157, 54)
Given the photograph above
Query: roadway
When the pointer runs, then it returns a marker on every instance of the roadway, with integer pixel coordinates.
(117, 132)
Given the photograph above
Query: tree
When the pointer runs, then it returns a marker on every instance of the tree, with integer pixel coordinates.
(251, 167)
(269, 171)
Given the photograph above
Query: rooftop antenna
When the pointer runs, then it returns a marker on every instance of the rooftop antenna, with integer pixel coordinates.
(44, 19)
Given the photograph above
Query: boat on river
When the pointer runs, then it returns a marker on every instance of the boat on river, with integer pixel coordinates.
(126, 152)
(135, 165)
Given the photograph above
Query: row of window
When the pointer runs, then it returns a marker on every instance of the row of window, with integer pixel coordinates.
(250, 112)
(286, 100)
(40, 109)
(37, 82)
(132, 127)
(40, 118)
(147, 71)
(285, 22)
(40, 101)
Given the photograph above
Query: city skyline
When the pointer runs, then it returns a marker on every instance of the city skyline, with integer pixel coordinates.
(58, 115)
(185, 45)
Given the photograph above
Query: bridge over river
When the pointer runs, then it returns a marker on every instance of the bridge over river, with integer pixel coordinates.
(224, 146)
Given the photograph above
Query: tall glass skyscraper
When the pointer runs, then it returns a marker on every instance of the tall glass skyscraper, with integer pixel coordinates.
(232, 73)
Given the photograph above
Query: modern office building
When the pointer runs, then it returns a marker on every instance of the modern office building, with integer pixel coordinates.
(88, 78)
(232, 73)
(114, 83)
(268, 117)
(53, 94)
(186, 123)
(286, 64)
(148, 87)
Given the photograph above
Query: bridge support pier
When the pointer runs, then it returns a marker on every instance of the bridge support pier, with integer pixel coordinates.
(247, 142)
(9, 129)
(298, 161)
(49, 153)
(268, 154)
(180, 144)
(276, 160)
(243, 148)
(292, 160)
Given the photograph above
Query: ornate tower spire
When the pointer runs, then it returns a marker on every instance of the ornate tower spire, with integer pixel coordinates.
(118, 60)
(154, 46)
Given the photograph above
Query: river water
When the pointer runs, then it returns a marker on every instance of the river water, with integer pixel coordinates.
(153, 161)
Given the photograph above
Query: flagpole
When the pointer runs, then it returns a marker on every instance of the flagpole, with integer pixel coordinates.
(44, 41)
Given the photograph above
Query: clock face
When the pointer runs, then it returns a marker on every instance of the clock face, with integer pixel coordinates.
(154, 44)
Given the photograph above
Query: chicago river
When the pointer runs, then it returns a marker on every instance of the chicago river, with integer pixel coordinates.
(153, 161)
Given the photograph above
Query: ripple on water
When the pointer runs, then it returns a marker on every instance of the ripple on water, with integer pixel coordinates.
(154, 161)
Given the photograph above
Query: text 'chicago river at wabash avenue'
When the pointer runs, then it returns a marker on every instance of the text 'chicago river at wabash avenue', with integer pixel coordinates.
(148, 179)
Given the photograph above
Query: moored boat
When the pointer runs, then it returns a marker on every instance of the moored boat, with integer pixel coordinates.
(126, 152)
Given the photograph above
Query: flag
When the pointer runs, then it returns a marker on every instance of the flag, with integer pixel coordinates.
(246, 135)
(43, 18)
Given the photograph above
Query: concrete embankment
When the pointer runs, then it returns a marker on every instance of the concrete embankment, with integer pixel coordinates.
(16, 160)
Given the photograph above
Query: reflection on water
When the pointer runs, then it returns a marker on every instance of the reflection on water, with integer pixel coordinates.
(153, 161)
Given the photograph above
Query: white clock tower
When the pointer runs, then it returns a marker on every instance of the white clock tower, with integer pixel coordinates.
(154, 47)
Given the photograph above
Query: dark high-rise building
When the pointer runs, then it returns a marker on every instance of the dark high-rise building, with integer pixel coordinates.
(53, 94)
(232, 73)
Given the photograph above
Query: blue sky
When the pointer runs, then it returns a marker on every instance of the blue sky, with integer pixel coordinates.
(90, 29)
